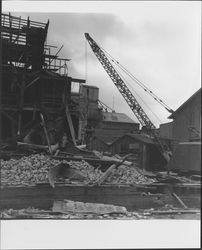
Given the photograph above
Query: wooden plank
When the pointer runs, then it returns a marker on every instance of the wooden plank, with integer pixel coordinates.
(176, 211)
(44, 196)
(69, 119)
(87, 159)
(110, 169)
(179, 200)
(66, 206)
(46, 134)
(106, 174)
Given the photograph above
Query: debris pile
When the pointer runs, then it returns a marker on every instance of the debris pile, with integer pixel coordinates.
(33, 169)
(164, 212)
(124, 174)
(128, 175)
(91, 173)
(27, 170)
(34, 213)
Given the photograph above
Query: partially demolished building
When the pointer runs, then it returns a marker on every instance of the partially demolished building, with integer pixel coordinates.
(35, 83)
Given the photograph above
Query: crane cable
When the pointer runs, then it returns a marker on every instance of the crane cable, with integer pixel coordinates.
(121, 76)
(146, 89)
(140, 97)
(103, 104)
(86, 62)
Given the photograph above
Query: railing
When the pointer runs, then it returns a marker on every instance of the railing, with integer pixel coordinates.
(57, 65)
(14, 30)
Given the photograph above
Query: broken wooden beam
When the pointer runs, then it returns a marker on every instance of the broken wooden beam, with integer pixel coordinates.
(179, 200)
(87, 159)
(106, 174)
(173, 211)
(69, 206)
(71, 127)
(110, 169)
(43, 196)
(32, 146)
(46, 133)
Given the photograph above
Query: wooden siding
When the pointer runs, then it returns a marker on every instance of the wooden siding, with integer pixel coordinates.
(190, 115)
(165, 130)
(97, 144)
(122, 146)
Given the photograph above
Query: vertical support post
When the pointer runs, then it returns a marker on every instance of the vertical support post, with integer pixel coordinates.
(10, 26)
(1, 90)
(46, 134)
(71, 127)
(21, 103)
(79, 130)
(49, 57)
(144, 156)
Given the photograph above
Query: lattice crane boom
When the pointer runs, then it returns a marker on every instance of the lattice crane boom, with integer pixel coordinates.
(120, 84)
(128, 96)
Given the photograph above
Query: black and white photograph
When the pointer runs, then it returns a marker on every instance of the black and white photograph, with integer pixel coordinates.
(100, 119)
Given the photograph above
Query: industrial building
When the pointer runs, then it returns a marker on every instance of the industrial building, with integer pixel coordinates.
(111, 127)
(185, 130)
(186, 124)
(145, 149)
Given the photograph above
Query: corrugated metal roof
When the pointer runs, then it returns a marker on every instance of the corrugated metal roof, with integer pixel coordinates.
(116, 117)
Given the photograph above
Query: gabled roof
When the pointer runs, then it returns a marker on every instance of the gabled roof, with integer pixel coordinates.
(106, 139)
(142, 138)
(116, 117)
(185, 103)
(109, 140)
(139, 137)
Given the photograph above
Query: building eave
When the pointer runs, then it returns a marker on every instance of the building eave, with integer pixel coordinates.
(184, 104)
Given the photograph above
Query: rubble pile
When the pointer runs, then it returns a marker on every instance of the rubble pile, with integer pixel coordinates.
(128, 175)
(27, 170)
(124, 174)
(34, 213)
(33, 169)
(167, 212)
(91, 173)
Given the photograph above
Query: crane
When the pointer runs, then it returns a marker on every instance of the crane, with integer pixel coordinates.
(126, 93)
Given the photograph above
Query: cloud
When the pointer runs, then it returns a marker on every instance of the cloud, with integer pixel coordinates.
(159, 42)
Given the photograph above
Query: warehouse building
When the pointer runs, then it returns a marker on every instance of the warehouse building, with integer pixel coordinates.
(186, 124)
(187, 119)
(186, 130)
(143, 147)
(112, 126)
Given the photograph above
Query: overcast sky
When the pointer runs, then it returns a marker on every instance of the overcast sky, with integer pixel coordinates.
(158, 42)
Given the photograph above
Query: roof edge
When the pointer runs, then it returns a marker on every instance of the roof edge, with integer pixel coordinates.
(181, 106)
